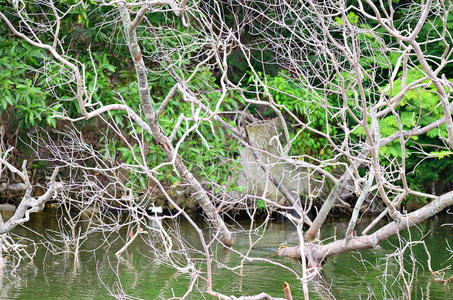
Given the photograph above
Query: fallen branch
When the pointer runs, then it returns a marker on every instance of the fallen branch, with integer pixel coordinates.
(28, 204)
(260, 296)
(317, 253)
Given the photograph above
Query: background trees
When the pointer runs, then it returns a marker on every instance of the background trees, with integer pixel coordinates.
(149, 95)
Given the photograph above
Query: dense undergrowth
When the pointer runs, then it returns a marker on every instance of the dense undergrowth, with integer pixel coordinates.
(31, 96)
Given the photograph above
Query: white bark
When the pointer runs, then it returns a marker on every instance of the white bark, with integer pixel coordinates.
(162, 140)
(318, 253)
(28, 204)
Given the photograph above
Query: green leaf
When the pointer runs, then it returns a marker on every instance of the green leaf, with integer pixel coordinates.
(441, 154)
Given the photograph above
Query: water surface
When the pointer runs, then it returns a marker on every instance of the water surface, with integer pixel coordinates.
(355, 275)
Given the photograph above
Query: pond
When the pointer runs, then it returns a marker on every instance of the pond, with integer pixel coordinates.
(355, 275)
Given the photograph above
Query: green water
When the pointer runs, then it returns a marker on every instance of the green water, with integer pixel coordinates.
(356, 275)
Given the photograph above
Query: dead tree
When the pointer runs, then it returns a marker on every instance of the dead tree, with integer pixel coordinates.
(339, 54)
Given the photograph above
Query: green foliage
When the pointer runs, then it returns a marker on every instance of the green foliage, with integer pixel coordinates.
(110, 75)
(261, 204)
(441, 154)
(417, 108)
(209, 151)
(210, 158)
(302, 102)
(26, 98)
(352, 18)
(22, 92)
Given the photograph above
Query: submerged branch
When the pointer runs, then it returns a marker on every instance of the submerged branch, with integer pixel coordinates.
(28, 203)
(316, 253)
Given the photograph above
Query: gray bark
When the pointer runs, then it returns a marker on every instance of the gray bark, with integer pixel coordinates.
(29, 204)
(317, 253)
(358, 205)
(328, 204)
(160, 138)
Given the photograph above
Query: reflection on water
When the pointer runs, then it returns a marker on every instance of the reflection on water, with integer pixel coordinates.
(357, 275)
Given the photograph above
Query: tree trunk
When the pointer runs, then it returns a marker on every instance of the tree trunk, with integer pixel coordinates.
(160, 138)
